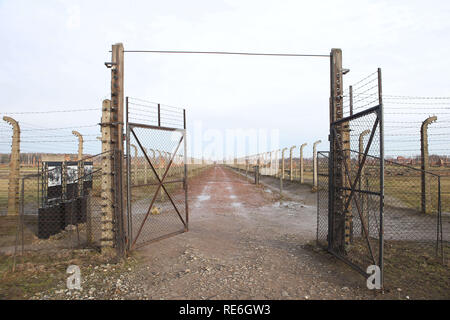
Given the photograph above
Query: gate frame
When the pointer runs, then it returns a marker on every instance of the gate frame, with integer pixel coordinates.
(337, 140)
(132, 241)
(353, 184)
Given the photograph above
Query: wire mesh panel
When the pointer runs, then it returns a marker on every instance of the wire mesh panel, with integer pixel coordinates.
(414, 230)
(322, 198)
(356, 189)
(157, 192)
(58, 209)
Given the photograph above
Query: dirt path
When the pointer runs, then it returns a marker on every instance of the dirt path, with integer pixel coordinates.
(244, 244)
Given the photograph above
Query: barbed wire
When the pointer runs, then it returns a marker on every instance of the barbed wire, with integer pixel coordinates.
(53, 111)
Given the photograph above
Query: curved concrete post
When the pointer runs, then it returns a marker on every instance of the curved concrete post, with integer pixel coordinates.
(159, 158)
(425, 162)
(146, 166)
(80, 144)
(291, 167)
(302, 179)
(153, 154)
(14, 168)
(135, 150)
(80, 165)
(315, 163)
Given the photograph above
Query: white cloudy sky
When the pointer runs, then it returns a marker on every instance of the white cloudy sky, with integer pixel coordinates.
(53, 51)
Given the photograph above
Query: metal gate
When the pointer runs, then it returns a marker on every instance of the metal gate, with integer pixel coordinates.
(156, 181)
(355, 215)
(351, 188)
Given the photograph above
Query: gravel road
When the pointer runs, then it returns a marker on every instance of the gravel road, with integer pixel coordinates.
(243, 243)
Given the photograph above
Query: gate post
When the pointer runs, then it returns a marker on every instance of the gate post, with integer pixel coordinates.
(339, 221)
(112, 149)
(424, 162)
(14, 168)
(108, 199)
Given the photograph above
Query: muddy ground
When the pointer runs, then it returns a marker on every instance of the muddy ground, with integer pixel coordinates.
(244, 242)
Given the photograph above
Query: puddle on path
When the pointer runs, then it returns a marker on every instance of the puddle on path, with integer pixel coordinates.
(203, 197)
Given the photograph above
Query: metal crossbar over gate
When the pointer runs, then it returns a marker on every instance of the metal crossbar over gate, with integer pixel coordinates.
(156, 180)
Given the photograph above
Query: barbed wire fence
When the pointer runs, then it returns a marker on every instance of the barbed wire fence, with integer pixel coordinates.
(64, 213)
(416, 221)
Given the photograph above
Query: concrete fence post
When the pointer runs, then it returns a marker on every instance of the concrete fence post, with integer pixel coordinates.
(80, 164)
(277, 162)
(108, 197)
(14, 168)
(425, 163)
(80, 144)
(291, 167)
(282, 163)
(302, 180)
(315, 164)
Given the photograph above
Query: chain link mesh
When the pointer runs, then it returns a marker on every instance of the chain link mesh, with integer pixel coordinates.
(155, 211)
(58, 209)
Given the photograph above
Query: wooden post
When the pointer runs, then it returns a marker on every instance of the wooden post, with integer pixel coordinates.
(425, 163)
(14, 168)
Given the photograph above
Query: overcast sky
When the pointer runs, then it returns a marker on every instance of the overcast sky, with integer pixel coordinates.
(52, 57)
